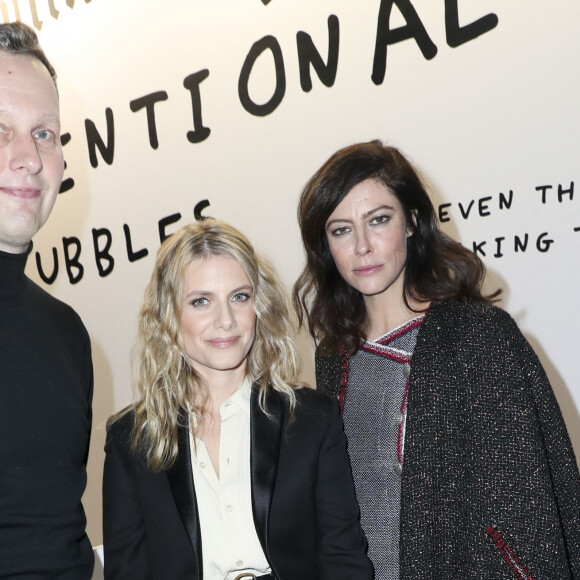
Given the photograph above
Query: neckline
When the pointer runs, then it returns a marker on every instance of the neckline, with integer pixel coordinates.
(12, 272)
(397, 331)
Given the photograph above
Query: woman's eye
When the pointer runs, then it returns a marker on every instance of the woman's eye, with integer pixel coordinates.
(199, 302)
(241, 297)
(381, 219)
(340, 231)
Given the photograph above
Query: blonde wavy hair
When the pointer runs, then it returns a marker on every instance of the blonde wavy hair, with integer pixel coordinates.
(168, 391)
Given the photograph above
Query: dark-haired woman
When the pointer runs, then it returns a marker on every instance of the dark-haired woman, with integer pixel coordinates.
(462, 463)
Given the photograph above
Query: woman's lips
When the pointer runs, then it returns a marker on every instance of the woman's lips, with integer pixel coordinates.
(367, 270)
(223, 342)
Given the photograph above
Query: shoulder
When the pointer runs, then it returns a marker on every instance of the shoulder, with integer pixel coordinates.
(308, 402)
(120, 428)
(328, 372)
(471, 332)
(467, 310)
(311, 403)
(326, 358)
(468, 330)
(313, 399)
(315, 416)
(307, 399)
(467, 317)
(55, 311)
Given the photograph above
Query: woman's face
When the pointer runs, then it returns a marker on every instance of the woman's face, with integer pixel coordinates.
(218, 320)
(367, 235)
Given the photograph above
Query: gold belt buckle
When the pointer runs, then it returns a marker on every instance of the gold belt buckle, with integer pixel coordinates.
(245, 575)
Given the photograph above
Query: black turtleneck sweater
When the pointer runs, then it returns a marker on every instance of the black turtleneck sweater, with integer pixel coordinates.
(46, 386)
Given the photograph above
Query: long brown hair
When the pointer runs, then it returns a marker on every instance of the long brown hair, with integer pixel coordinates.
(437, 267)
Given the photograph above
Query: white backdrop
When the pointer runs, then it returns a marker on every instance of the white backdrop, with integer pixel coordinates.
(487, 112)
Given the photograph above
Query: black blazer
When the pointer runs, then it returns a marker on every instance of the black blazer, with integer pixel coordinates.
(305, 511)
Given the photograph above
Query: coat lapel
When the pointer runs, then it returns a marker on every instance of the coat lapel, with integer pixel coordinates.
(180, 479)
(266, 432)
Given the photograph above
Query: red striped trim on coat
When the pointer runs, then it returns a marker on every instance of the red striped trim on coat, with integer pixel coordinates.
(508, 554)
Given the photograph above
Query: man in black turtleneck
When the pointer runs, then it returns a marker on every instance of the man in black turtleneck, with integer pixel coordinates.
(45, 358)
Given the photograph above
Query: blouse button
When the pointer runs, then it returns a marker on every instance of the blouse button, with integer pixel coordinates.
(239, 563)
(398, 468)
(202, 464)
(397, 418)
(229, 508)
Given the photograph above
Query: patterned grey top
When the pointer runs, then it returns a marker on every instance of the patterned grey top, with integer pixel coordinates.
(374, 419)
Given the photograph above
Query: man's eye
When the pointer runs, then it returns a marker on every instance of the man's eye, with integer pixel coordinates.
(45, 136)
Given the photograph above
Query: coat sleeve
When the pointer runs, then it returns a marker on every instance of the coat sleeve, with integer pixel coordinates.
(341, 542)
(559, 452)
(489, 478)
(123, 529)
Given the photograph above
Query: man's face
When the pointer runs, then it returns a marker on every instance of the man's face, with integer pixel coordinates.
(31, 161)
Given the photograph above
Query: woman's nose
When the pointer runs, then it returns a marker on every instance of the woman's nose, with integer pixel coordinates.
(363, 244)
(225, 318)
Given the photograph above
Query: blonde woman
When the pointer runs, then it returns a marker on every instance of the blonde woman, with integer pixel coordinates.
(223, 468)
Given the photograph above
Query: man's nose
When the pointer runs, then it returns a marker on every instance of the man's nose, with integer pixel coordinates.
(24, 155)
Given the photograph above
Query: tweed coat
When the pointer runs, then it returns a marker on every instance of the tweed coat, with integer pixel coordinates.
(490, 484)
